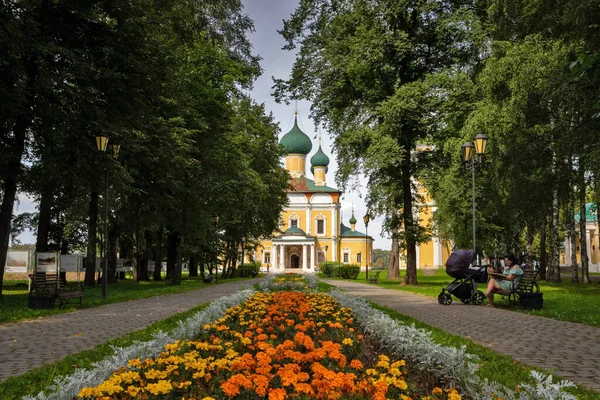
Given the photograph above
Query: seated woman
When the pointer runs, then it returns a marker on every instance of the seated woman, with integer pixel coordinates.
(512, 271)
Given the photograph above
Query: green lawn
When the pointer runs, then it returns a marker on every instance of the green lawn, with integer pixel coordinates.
(564, 301)
(14, 301)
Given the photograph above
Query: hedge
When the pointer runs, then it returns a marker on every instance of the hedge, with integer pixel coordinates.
(333, 269)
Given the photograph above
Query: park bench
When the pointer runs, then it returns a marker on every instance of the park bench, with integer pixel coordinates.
(46, 288)
(524, 291)
(206, 278)
(374, 278)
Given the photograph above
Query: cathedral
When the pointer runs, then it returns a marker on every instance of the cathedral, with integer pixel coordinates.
(311, 228)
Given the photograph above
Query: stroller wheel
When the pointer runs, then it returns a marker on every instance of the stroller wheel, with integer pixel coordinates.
(445, 299)
(466, 300)
(478, 297)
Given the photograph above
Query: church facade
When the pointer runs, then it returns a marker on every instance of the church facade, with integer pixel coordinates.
(311, 229)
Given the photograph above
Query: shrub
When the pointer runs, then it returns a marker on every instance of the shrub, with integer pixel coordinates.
(245, 270)
(330, 268)
(349, 271)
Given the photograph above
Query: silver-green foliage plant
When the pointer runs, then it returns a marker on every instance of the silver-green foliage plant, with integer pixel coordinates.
(454, 365)
(67, 388)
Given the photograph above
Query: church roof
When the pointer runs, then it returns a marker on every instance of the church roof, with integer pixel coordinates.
(294, 231)
(348, 232)
(296, 141)
(591, 213)
(308, 185)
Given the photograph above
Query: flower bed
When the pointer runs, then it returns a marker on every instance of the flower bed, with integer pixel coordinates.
(275, 345)
(293, 343)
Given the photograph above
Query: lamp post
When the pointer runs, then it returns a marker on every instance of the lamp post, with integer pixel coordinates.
(472, 156)
(366, 219)
(113, 152)
(243, 239)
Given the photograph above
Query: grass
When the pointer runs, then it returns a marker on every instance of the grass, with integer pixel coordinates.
(493, 366)
(34, 381)
(14, 301)
(565, 301)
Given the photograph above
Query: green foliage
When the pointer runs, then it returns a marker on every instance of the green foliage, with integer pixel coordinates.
(333, 269)
(245, 270)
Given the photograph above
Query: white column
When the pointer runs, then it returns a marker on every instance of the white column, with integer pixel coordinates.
(588, 245)
(437, 251)
(304, 257)
(418, 256)
(281, 258)
(313, 256)
(308, 221)
(333, 250)
(596, 249)
(274, 258)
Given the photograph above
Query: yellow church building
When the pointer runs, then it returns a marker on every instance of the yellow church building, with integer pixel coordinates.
(311, 229)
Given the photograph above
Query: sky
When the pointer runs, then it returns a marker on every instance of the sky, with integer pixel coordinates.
(268, 16)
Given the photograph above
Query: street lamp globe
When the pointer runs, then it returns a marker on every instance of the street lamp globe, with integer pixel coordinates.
(480, 144)
(467, 151)
(101, 142)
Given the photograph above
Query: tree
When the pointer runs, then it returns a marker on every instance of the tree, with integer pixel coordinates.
(373, 71)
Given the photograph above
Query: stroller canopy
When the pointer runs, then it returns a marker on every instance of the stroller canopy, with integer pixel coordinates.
(460, 259)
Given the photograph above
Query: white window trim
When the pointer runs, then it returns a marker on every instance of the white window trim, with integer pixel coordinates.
(324, 219)
(265, 255)
(292, 217)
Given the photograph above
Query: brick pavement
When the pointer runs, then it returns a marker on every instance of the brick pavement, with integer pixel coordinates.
(30, 344)
(567, 349)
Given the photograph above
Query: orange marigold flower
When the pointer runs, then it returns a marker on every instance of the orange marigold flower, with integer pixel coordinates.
(277, 394)
(356, 364)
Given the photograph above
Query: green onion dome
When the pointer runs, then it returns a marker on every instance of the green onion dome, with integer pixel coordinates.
(320, 159)
(353, 220)
(296, 141)
(294, 231)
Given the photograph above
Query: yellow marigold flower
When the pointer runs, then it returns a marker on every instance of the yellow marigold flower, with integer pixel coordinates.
(347, 341)
(437, 391)
(133, 390)
(453, 394)
(208, 398)
(86, 392)
(382, 364)
(134, 363)
(160, 387)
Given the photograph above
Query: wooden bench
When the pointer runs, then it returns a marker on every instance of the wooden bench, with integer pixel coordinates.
(374, 278)
(527, 284)
(46, 288)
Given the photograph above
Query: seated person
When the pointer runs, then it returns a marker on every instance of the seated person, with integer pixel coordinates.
(512, 271)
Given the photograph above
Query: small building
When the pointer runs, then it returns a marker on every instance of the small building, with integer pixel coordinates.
(311, 230)
(591, 240)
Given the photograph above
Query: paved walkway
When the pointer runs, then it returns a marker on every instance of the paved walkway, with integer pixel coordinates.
(567, 349)
(30, 344)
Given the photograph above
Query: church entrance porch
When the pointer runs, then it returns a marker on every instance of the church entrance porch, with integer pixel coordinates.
(296, 255)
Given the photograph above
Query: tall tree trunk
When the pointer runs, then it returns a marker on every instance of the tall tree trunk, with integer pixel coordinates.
(393, 262)
(543, 250)
(146, 255)
(90, 262)
(554, 267)
(583, 243)
(530, 235)
(158, 254)
(135, 257)
(41, 243)
(111, 255)
(571, 224)
(409, 223)
(193, 266)
(13, 157)
(172, 239)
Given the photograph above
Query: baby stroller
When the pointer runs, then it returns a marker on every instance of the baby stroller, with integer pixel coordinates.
(463, 286)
